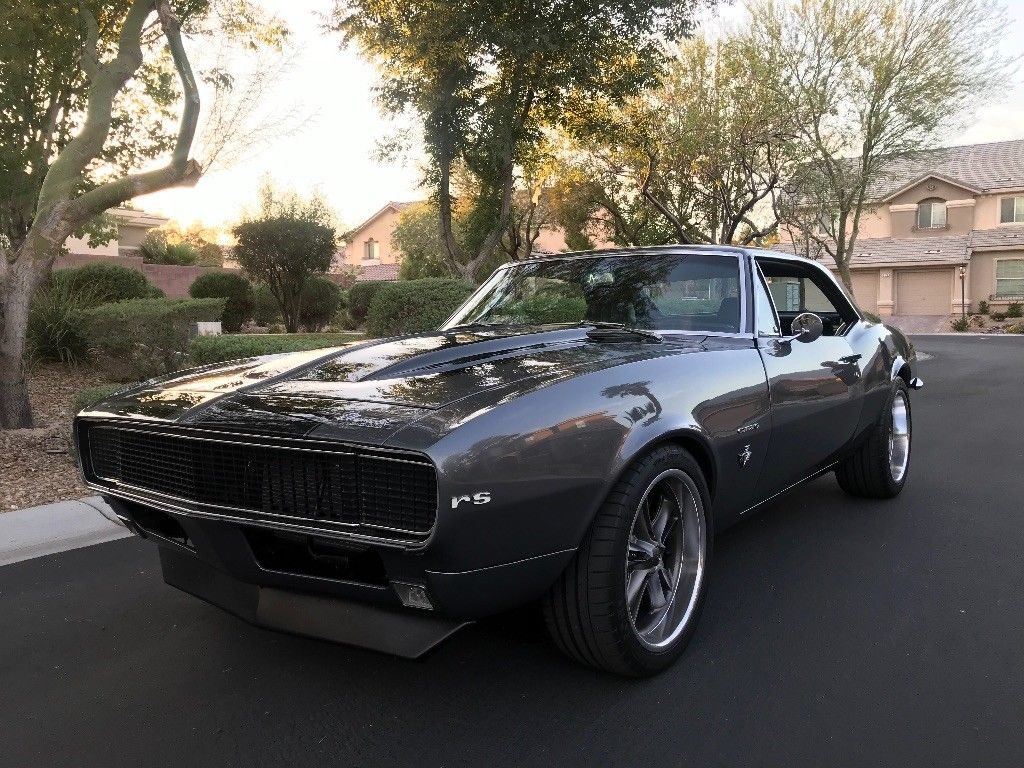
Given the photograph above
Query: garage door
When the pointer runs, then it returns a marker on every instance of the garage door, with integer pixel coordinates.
(923, 292)
(865, 289)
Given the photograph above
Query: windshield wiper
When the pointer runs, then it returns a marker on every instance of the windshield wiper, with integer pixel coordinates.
(601, 330)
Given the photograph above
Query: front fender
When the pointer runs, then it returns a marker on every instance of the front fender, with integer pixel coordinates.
(547, 460)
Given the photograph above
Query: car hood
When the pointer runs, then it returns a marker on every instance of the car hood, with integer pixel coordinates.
(367, 391)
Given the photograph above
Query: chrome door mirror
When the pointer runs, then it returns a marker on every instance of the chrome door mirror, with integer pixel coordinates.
(807, 327)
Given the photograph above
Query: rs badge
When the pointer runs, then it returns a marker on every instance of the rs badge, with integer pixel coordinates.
(481, 497)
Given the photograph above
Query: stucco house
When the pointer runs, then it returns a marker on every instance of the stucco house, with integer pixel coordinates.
(132, 227)
(940, 211)
(369, 248)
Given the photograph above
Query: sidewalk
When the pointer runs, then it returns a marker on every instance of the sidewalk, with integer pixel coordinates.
(51, 528)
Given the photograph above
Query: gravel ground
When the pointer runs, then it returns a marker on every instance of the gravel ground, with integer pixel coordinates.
(29, 473)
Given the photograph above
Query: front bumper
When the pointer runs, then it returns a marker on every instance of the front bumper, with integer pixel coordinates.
(343, 592)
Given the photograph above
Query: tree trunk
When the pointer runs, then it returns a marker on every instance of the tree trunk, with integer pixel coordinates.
(16, 291)
(843, 266)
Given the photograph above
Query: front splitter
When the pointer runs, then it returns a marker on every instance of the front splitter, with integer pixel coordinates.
(400, 633)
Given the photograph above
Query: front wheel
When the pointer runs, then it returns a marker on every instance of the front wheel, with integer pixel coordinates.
(878, 468)
(629, 601)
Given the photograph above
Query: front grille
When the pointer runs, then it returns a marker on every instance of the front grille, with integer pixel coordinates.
(344, 487)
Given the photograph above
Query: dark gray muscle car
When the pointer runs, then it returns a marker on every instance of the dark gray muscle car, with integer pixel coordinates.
(574, 435)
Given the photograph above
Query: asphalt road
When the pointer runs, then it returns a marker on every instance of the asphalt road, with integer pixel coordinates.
(838, 632)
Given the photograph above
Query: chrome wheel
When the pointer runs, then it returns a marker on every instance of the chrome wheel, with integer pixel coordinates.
(665, 559)
(899, 437)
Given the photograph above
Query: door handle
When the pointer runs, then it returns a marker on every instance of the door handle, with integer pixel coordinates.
(850, 358)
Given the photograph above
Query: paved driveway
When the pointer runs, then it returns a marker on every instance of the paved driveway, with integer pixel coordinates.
(838, 632)
(911, 324)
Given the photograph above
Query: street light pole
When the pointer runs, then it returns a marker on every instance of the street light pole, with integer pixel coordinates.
(963, 291)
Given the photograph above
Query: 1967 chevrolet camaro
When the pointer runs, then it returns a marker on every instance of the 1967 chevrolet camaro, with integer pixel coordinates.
(575, 434)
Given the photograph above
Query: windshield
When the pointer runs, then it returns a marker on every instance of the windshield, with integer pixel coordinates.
(688, 292)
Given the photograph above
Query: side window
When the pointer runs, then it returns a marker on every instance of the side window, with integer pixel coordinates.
(796, 288)
(764, 310)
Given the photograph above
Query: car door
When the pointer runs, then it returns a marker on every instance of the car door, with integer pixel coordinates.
(814, 388)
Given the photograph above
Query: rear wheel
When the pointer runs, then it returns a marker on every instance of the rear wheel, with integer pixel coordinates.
(629, 601)
(878, 468)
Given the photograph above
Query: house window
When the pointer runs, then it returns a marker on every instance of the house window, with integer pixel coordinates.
(931, 214)
(371, 250)
(1011, 210)
(1010, 277)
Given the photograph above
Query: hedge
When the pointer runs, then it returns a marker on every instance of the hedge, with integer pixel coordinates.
(138, 339)
(234, 289)
(412, 306)
(89, 397)
(105, 283)
(217, 349)
(360, 296)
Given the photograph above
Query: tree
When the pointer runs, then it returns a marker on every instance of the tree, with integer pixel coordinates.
(695, 160)
(417, 236)
(289, 241)
(50, 156)
(484, 78)
(867, 84)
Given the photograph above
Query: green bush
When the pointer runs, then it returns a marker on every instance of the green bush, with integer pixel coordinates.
(360, 297)
(998, 316)
(217, 349)
(138, 339)
(105, 283)
(412, 306)
(982, 307)
(55, 324)
(266, 311)
(960, 324)
(551, 307)
(1014, 309)
(234, 289)
(320, 301)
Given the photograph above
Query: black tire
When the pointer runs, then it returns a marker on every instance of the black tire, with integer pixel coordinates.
(586, 610)
(866, 472)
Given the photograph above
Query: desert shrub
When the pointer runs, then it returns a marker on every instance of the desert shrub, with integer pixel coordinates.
(104, 283)
(412, 306)
(156, 250)
(234, 289)
(89, 397)
(1015, 328)
(217, 349)
(978, 320)
(998, 316)
(360, 296)
(1014, 309)
(960, 324)
(983, 307)
(320, 300)
(55, 324)
(138, 339)
(266, 311)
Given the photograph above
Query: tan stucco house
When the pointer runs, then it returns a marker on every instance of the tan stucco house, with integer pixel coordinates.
(369, 248)
(945, 209)
(132, 227)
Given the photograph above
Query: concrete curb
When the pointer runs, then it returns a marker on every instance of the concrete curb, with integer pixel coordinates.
(976, 335)
(52, 528)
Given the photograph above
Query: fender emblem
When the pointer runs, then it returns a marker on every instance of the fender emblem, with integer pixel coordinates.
(481, 497)
(745, 454)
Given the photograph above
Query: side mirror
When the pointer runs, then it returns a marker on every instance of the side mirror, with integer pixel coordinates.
(807, 327)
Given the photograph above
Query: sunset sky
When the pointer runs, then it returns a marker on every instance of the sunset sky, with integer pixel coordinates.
(331, 148)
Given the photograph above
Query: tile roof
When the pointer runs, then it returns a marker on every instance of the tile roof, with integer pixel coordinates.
(1001, 237)
(887, 251)
(986, 167)
(377, 272)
